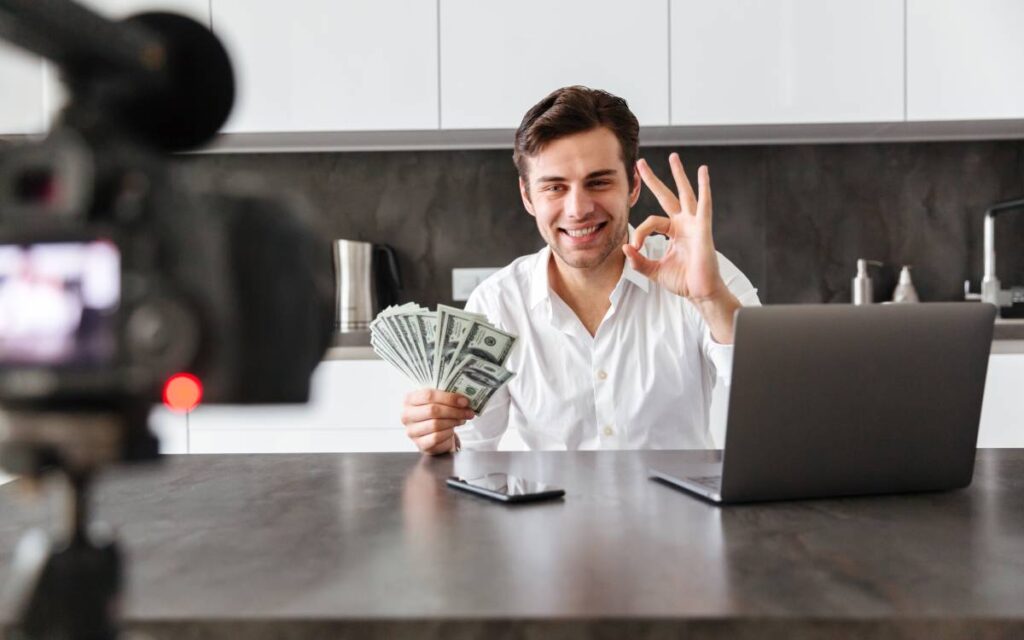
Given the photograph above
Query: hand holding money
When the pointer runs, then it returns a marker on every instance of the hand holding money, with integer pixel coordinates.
(430, 417)
(449, 349)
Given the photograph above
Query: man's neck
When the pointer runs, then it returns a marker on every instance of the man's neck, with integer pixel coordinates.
(587, 291)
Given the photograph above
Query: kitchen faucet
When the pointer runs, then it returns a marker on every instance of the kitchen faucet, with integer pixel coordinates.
(991, 290)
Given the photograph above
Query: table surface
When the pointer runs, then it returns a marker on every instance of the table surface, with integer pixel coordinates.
(377, 536)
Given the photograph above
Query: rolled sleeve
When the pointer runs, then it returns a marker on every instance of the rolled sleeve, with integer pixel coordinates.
(719, 355)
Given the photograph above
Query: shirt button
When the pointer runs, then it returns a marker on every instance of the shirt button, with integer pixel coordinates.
(602, 375)
(608, 431)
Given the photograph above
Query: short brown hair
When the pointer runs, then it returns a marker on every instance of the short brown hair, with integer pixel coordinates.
(571, 110)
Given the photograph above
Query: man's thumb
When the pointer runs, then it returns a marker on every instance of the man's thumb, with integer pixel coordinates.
(645, 266)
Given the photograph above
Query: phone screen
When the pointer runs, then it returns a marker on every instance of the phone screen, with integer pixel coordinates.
(508, 485)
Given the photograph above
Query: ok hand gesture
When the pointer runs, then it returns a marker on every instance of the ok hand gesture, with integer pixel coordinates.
(690, 265)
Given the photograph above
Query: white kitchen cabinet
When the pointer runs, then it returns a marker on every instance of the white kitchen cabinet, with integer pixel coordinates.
(499, 58)
(964, 59)
(21, 92)
(321, 65)
(1002, 413)
(741, 62)
(355, 405)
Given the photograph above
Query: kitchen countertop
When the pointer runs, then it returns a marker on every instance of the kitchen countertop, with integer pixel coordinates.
(1007, 337)
(374, 545)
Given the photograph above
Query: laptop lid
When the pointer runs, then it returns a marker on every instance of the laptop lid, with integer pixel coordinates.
(831, 400)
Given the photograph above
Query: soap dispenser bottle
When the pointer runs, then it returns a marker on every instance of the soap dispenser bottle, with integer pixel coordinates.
(905, 291)
(862, 293)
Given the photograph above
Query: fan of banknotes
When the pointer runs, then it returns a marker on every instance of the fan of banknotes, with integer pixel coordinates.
(448, 349)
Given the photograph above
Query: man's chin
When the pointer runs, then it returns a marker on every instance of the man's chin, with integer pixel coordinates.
(582, 259)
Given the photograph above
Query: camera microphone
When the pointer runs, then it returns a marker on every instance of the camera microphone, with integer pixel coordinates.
(197, 88)
(163, 77)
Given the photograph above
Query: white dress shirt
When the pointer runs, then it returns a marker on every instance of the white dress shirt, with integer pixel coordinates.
(643, 381)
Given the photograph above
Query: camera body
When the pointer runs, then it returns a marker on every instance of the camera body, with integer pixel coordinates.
(115, 273)
(118, 269)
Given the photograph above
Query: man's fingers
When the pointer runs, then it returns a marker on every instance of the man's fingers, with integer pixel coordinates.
(704, 189)
(668, 200)
(436, 396)
(425, 428)
(422, 412)
(443, 445)
(644, 266)
(653, 224)
(686, 197)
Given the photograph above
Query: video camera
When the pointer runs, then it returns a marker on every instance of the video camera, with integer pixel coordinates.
(118, 271)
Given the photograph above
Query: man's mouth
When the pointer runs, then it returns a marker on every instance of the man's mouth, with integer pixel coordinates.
(582, 234)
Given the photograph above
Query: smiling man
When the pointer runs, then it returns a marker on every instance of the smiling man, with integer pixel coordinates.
(622, 334)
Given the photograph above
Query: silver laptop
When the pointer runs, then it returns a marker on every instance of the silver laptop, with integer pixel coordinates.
(839, 400)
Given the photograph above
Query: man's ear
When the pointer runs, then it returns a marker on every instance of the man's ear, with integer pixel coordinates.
(524, 192)
(634, 193)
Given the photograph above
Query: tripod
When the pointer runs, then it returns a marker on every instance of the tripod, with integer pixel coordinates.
(67, 588)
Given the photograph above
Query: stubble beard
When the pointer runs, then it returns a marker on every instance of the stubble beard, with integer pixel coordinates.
(615, 241)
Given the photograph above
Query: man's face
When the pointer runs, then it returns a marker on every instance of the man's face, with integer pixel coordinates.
(579, 193)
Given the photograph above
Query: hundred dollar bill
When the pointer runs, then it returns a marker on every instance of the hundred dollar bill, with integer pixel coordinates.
(452, 325)
(384, 349)
(425, 322)
(485, 342)
(386, 327)
(403, 325)
(478, 379)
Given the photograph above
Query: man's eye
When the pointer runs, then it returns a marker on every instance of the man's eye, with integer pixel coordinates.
(554, 187)
(600, 183)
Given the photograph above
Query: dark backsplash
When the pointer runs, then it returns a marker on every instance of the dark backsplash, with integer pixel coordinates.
(793, 218)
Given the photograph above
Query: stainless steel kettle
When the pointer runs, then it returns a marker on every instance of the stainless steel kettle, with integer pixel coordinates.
(366, 280)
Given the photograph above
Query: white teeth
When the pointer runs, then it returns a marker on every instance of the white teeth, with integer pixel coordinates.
(579, 233)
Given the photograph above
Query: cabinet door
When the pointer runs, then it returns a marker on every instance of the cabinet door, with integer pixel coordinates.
(1002, 413)
(323, 65)
(499, 58)
(21, 92)
(964, 59)
(786, 61)
(354, 405)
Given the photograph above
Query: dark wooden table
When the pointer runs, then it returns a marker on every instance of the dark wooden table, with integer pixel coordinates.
(374, 545)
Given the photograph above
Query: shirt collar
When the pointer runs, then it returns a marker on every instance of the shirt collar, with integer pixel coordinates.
(540, 288)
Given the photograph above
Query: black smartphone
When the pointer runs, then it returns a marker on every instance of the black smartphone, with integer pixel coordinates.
(506, 488)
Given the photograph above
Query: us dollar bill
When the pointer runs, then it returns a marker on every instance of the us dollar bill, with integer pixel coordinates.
(486, 342)
(448, 349)
(452, 325)
(386, 326)
(425, 322)
(478, 379)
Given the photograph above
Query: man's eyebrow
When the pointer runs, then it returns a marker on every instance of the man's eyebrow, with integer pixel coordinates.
(590, 176)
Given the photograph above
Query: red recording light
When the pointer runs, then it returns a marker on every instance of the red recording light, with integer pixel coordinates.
(182, 392)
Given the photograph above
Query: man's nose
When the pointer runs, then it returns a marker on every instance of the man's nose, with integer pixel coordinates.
(578, 204)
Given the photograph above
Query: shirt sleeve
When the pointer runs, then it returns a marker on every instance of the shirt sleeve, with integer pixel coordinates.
(483, 432)
(720, 355)
(739, 284)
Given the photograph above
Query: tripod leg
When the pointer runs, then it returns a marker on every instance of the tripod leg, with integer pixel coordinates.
(68, 590)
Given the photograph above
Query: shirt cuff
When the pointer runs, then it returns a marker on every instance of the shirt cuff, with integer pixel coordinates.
(720, 356)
